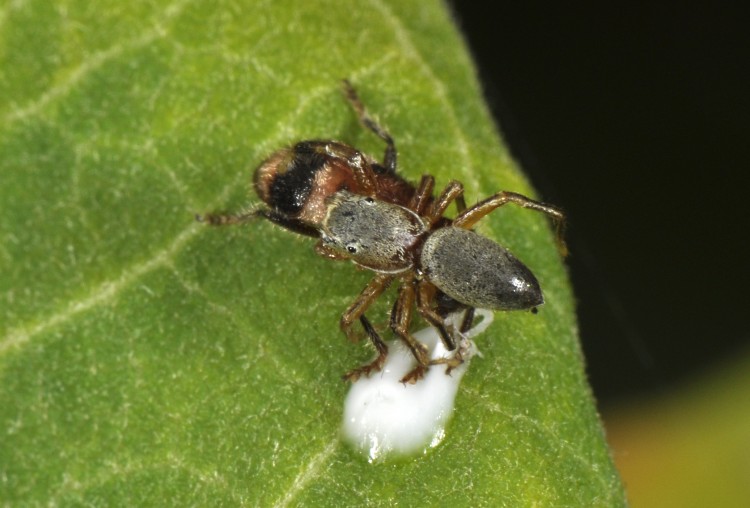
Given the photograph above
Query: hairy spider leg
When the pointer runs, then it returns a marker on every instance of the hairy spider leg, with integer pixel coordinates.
(471, 216)
(425, 295)
(381, 347)
(230, 219)
(468, 320)
(401, 317)
(390, 157)
(369, 294)
(355, 312)
(454, 191)
(422, 196)
(400, 321)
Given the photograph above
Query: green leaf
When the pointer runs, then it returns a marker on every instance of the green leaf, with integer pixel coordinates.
(149, 359)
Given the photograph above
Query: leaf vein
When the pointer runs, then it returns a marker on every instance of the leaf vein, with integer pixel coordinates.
(104, 292)
(312, 471)
(93, 63)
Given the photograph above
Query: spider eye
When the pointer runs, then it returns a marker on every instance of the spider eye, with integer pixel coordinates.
(369, 200)
(352, 249)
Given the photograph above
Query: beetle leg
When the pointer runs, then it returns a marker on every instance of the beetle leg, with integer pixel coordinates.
(400, 321)
(469, 217)
(389, 159)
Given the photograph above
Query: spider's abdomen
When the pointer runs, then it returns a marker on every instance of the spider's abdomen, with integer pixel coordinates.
(478, 272)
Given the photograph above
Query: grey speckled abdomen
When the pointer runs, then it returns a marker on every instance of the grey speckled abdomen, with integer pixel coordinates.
(478, 272)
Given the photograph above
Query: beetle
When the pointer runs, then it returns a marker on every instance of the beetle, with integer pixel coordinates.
(363, 211)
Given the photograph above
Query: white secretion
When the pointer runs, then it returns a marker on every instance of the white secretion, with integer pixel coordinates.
(385, 418)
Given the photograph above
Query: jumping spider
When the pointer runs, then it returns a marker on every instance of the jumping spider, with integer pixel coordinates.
(363, 211)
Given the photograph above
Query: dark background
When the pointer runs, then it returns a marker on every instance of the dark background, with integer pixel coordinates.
(635, 120)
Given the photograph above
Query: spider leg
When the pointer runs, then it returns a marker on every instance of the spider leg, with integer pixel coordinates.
(226, 219)
(277, 218)
(377, 364)
(400, 320)
(369, 294)
(460, 203)
(468, 320)
(445, 305)
(390, 157)
(469, 217)
(422, 195)
(361, 168)
(425, 295)
(356, 310)
(454, 191)
(289, 223)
